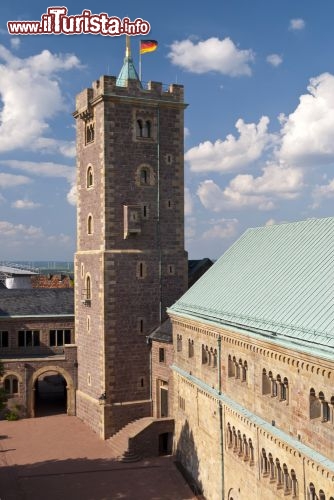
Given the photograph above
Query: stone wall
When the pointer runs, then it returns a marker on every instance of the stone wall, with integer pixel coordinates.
(285, 426)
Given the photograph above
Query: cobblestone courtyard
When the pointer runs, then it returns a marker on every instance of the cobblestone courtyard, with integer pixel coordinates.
(59, 458)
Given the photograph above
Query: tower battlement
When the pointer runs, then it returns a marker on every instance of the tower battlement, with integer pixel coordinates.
(106, 86)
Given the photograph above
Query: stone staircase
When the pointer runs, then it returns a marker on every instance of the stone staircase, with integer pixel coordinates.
(122, 442)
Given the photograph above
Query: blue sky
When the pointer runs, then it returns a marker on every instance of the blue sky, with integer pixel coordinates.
(259, 136)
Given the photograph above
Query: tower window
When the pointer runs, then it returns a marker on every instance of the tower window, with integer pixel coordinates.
(89, 179)
(169, 159)
(90, 224)
(90, 132)
(141, 270)
(145, 211)
(87, 292)
(147, 129)
(141, 325)
(171, 269)
(139, 128)
(144, 176)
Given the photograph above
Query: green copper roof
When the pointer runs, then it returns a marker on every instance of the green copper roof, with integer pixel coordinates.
(277, 279)
(128, 72)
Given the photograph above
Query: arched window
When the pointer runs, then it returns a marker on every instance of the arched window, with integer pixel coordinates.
(204, 358)
(322, 495)
(230, 367)
(11, 385)
(311, 492)
(244, 372)
(144, 176)
(229, 436)
(214, 362)
(315, 405)
(279, 473)
(294, 484)
(286, 480)
(272, 469)
(245, 447)
(325, 412)
(139, 128)
(179, 343)
(266, 388)
(190, 348)
(88, 288)
(89, 179)
(90, 224)
(264, 463)
(90, 132)
(147, 129)
(251, 452)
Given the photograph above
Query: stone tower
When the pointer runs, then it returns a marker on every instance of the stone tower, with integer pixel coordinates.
(130, 262)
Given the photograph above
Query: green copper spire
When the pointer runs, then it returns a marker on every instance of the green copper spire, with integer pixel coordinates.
(128, 71)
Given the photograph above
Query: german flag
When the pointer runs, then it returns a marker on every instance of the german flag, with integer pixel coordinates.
(148, 46)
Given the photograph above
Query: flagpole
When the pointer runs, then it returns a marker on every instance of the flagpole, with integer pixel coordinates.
(139, 62)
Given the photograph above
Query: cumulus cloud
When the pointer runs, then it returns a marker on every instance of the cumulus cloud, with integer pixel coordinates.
(297, 24)
(44, 169)
(245, 190)
(322, 192)
(232, 153)
(32, 85)
(72, 196)
(188, 202)
(10, 180)
(25, 204)
(213, 54)
(308, 133)
(221, 229)
(10, 230)
(274, 59)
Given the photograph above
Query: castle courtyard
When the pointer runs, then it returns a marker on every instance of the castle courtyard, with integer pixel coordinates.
(58, 457)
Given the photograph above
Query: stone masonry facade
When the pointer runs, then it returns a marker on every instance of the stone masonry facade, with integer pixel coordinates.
(236, 430)
(130, 262)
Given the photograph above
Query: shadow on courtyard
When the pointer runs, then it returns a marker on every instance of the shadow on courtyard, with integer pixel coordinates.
(99, 479)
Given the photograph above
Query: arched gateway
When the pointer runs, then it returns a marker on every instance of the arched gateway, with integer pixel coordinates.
(70, 396)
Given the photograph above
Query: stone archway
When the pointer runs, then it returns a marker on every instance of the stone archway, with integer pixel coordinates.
(69, 388)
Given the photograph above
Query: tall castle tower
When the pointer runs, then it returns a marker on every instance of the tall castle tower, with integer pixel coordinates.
(130, 262)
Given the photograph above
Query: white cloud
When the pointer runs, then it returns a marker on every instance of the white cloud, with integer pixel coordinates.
(25, 204)
(72, 196)
(221, 229)
(308, 132)
(232, 153)
(222, 56)
(261, 192)
(186, 132)
(10, 180)
(9, 230)
(32, 85)
(188, 202)
(15, 42)
(274, 59)
(322, 192)
(44, 169)
(296, 24)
